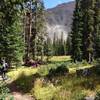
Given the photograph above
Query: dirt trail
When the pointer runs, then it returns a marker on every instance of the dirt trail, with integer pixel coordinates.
(19, 96)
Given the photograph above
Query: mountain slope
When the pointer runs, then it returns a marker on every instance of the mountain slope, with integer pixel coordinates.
(59, 19)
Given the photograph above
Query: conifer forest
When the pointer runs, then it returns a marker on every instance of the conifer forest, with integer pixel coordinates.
(36, 66)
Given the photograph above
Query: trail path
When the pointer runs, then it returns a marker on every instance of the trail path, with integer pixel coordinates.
(19, 96)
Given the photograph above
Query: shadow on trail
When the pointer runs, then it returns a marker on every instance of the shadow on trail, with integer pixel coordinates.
(23, 83)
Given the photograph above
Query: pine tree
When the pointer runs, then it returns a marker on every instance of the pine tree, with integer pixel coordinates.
(48, 49)
(54, 45)
(86, 30)
(36, 32)
(97, 28)
(61, 45)
(76, 34)
(11, 42)
(57, 47)
(88, 37)
(65, 48)
(41, 28)
(30, 7)
(68, 45)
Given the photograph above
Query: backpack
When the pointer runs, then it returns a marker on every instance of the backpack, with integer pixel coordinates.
(5, 66)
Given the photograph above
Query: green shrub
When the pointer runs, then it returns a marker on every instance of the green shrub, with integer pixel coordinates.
(95, 70)
(43, 70)
(5, 92)
(97, 96)
(61, 70)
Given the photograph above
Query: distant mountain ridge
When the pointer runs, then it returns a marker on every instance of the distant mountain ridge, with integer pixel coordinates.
(59, 19)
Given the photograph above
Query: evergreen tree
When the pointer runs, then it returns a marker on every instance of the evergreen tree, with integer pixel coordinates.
(97, 28)
(48, 49)
(65, 48)
(30, 21)
(54, 45)
(35, 33)
(68, 45)
(88, 31)
(76, 34)
(85, 35)
(29, 30)
(61, 45)
(11, 45)
(40, 27)
(57, 47)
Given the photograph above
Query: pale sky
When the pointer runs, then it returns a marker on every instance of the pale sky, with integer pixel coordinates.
(53, 3)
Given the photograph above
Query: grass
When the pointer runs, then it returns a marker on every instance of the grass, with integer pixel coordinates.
(70, 87)
(44, 92)
(16, 73)
(21, 79)
(60, 58)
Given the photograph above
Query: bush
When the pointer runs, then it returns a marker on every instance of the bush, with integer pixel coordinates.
(46, 69)
(95, 70)
(43, 70)
(61, 70)
(97, 96)
(4, 92)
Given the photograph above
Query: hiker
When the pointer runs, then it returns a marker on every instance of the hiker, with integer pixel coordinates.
(4, 69)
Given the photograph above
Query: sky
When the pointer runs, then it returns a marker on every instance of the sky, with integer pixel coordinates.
(53, 3)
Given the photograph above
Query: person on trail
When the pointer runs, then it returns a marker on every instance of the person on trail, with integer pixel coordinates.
(4, 69)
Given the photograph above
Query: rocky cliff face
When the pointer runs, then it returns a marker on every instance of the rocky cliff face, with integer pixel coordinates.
(59, 19)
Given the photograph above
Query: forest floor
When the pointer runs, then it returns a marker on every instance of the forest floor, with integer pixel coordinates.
(28, 83)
